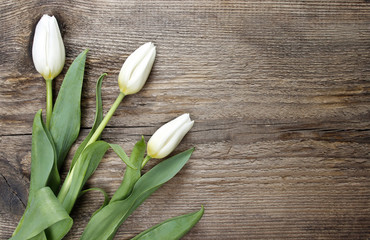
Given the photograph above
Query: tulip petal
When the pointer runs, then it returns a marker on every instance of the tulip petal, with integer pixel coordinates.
(165, 134)
(141, 72)
(129, 66)
(175, 140)
(56, 52)
(39, 46)
(131, 62)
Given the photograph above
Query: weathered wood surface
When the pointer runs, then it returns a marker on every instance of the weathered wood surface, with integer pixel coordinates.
(279, 91)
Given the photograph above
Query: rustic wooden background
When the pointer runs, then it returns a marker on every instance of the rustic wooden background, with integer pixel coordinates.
(279, 91)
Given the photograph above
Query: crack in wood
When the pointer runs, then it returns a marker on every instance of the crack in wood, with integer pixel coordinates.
(12, 190)
(15, 134)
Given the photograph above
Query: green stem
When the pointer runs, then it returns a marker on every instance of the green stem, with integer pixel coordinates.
(66, 186)
(146, 159)
(68, 181)
(49, 102)
(106, 119)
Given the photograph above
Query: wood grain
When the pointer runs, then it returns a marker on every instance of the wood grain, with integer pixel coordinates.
(279, 91)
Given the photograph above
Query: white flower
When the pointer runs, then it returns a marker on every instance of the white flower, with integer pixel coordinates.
(136, 69)
(48, 52)
(167, 137)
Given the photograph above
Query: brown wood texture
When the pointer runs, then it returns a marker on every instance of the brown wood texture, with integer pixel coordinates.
(279, 91)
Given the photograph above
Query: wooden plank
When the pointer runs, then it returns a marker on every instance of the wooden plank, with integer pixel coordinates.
(252, 187)
(279, 91)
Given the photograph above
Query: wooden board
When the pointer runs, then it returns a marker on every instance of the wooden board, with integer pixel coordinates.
(279, 91)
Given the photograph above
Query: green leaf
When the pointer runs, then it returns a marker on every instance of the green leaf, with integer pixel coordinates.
(172, 229)
(106, 222)
(98, 118)
(80, 173)
(44, 211)
(43, 162)
(54, 177)
(66, 117)
(132, 174)
(121, 154)
(106, 197)
(77, 177)
(43, 158)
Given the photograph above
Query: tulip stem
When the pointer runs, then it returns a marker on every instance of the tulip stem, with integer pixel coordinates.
(49, 102)
(146, 159)
(106, 119)
(68, 181)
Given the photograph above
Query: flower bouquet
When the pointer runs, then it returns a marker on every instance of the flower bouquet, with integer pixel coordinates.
(50, 200)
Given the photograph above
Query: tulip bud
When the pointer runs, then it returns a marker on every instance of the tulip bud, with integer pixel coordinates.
(167, 137)
(136, 69)
(48, 52)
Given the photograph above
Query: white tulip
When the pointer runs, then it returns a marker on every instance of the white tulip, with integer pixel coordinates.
(48, 52)
(136, 69)
(167, 137)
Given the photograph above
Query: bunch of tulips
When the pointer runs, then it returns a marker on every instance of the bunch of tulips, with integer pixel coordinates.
(50, 201)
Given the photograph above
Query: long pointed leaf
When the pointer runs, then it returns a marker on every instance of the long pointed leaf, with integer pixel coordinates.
(97, 121)
(77, 177)
(121, 154)
(43, 162)
(66, 117)
(132, 175)
(173, 228)
(105, 223)
(45, 210)
(80, 173)
(54, 177)
(42, 156)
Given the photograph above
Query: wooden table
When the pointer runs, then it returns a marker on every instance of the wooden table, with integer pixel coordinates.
(279, 91)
